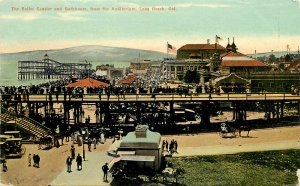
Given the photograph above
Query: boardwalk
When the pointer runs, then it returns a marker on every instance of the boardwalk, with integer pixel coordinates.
(167, 97)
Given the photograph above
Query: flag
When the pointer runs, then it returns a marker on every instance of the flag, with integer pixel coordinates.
(171, 48)
(218, 38)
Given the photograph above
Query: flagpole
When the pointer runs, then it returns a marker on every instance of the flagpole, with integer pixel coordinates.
(216, 42)
(167, 50)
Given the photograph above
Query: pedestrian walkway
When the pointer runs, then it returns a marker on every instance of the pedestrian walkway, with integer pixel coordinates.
(91, 173)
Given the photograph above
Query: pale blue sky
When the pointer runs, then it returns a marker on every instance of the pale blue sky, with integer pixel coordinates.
(261, 25)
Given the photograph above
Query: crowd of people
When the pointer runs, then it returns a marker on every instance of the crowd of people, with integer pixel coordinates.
(170, 147)
(36, 160)
(60, 87)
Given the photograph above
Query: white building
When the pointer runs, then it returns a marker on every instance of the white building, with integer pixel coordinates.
(142, 148)
(175, 69)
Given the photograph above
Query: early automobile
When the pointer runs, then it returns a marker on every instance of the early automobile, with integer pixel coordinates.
(12, 147)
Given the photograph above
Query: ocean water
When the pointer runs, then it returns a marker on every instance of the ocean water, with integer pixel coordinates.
(9, 73)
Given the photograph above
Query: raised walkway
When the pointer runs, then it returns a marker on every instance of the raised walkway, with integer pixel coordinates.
(165, 97)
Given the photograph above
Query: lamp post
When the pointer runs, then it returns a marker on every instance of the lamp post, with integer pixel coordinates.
(83, 149)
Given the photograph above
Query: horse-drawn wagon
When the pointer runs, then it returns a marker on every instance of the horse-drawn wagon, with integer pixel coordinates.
(227, 130)
(231, 129)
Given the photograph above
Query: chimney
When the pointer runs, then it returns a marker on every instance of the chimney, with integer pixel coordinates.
(141, 131)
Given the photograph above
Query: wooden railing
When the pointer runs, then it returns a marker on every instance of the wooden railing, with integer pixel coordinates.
(159, 97)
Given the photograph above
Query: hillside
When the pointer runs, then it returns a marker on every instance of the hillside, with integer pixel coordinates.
(90, 53)
(277, 54)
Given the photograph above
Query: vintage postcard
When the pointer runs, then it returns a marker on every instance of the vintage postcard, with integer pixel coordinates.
(149, 92)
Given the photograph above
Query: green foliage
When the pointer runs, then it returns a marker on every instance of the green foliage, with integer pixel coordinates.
(192, 77)
(254, 168)
(281, 66)
(287, 58)
(272, 58)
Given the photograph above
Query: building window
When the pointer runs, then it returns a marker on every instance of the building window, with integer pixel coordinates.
(272, 85)
(260, 84)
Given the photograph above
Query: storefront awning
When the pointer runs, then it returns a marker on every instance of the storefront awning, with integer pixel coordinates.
(126, 153)
(138, 158)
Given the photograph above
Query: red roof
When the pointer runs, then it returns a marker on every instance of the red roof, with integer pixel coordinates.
(88, 82)
(232, 54)
(128, 80)
(243, 63)
(201, 47)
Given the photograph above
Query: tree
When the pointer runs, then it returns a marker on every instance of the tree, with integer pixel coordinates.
(272, 58)
(192, 76)
(287, 58)
(281, 67)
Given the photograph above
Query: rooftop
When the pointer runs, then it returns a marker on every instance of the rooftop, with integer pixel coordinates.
(236, 59)
(243, 63)
(232, 54)
(201, 47)
(141, 138)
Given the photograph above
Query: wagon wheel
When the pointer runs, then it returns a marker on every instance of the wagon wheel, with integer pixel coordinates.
(222, 134)
(236, 132)
(23, 150)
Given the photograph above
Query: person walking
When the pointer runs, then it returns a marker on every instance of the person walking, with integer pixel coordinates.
(95, 142)
(163, 145)
(29, 160)
(72, 151)
(69, 164)
(34, 160)
(89, 144)
(102, 138)
(4, 166)
(79, 162)
(167, 146)
(171, 147)
(37, 161)
(175, 146)
(105, 171)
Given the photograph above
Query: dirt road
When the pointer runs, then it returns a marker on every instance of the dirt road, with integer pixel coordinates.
(53, 161)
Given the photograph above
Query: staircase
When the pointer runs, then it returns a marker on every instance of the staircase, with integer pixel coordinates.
(5, 117)
(29, 125)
